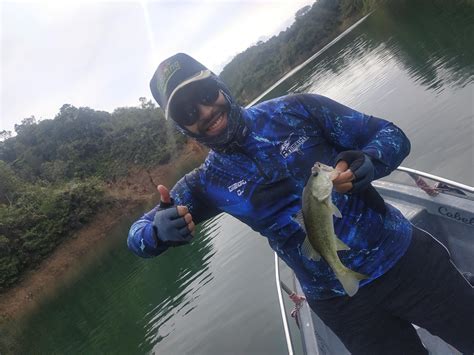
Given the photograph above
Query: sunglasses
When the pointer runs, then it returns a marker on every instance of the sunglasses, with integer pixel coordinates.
(184, 109)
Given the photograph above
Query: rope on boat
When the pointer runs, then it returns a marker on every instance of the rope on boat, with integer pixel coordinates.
(297, 300)
(422, 184)
(436, 189)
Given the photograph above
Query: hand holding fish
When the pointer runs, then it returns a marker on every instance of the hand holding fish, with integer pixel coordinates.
(356, 171)
(343, 182)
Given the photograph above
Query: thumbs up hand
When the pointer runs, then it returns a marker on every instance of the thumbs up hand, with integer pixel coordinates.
(173, 225)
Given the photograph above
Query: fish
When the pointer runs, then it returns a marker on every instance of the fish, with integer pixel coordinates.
(317, 216)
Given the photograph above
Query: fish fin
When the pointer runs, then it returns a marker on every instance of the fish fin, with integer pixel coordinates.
(350, 281)
(334, 174)
(300, 219)
(340, 245)
(323, 197)
(333, 208)
(308, 251)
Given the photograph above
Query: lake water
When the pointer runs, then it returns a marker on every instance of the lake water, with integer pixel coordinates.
(412, 66)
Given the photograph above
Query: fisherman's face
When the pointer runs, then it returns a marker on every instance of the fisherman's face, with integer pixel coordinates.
(201, 108)
(212, 118)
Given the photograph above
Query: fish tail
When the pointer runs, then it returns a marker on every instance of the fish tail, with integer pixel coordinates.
(350, 280)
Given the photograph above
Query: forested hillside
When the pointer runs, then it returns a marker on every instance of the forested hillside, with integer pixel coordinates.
(82, 142)
(53, 174)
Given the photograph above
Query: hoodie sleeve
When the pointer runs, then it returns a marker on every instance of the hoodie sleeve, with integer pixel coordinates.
(142, 237)
(348, 129)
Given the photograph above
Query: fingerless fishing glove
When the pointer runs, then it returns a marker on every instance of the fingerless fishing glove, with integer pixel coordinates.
(169, 227)
(361, 166)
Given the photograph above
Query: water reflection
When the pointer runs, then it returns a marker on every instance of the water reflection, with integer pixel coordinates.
(431, 42)
(179, 283)
(436, 53)
(124, 295)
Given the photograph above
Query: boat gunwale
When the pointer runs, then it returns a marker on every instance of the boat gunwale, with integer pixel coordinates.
(458, 185)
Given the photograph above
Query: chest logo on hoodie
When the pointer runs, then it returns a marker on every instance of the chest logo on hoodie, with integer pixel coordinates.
(292, 145)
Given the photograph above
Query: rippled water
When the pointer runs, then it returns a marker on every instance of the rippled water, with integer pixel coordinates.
(413, 66)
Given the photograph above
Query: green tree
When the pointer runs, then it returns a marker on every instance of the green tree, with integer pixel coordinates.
(9, 185)
(4, 135)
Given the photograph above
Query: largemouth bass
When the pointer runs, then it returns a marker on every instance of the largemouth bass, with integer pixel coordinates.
(321, 240)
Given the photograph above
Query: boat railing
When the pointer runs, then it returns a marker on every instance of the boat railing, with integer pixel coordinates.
(280, 286)
(453, 184)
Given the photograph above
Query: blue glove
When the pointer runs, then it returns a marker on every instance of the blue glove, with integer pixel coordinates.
(170, 228)
(361, 166)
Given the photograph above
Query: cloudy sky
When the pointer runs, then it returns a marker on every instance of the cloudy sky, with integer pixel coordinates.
(102, 54)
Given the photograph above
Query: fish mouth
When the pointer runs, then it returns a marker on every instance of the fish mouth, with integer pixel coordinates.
(323, 168)
(320, 167)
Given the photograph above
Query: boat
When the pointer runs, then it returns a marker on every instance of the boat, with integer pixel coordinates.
(440, 206)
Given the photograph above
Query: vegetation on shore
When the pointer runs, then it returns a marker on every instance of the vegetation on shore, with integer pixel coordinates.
(53, 174)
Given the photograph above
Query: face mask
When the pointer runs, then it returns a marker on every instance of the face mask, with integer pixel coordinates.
(234, 130)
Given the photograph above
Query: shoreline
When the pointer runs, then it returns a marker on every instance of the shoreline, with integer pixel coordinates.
(59, 268)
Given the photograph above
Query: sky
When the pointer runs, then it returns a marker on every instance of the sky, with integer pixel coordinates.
(102, 54)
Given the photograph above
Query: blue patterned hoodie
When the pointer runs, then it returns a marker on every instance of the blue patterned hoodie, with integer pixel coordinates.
(260, 181)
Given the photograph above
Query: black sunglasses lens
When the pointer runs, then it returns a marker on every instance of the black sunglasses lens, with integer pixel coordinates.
(184, 111)
(185, 114)
(208, 93)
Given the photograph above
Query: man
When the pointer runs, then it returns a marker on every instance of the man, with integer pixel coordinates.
(259, 162)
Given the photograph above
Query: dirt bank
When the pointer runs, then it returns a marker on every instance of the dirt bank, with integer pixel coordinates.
(60, 267)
